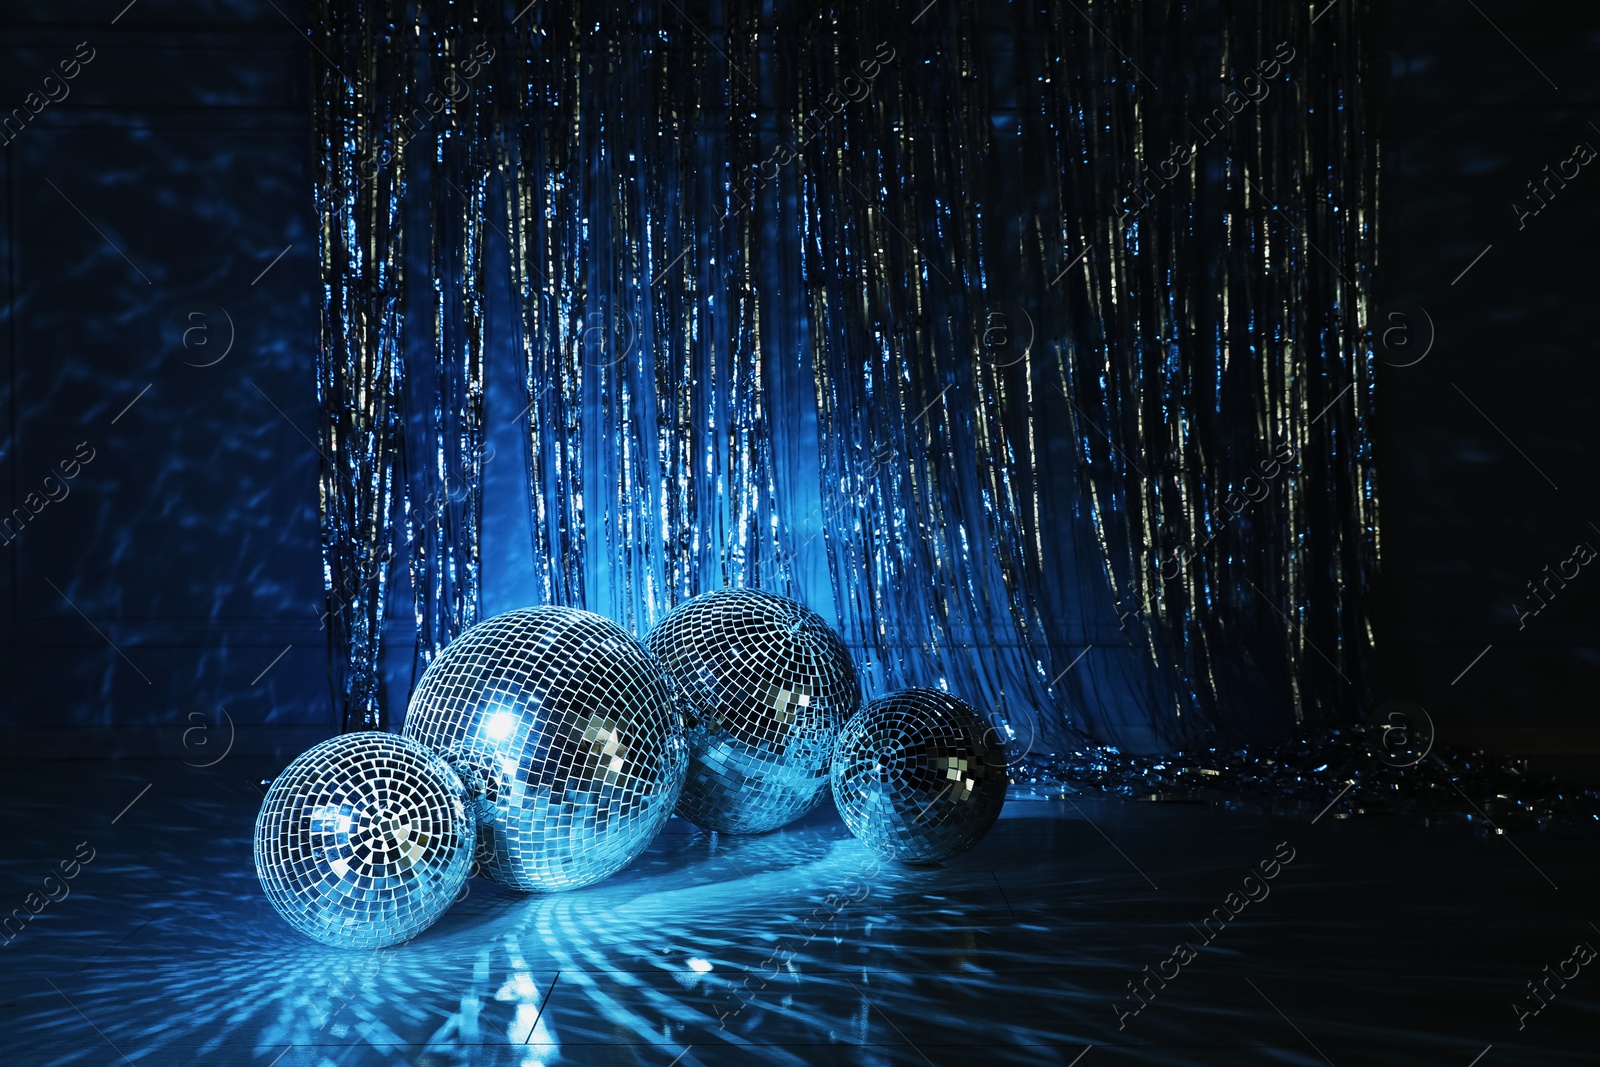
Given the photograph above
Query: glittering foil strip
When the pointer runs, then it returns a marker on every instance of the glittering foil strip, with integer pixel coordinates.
(650, 470)
(454, 146)
(911, 306)
(936, 546)
(361, 85)
(1219, 376)
(893, 387)
(1201, 341)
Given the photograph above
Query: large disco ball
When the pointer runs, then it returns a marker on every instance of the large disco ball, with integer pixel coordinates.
(919, 776)
(364, 840)
(765, 686)
(566, 728)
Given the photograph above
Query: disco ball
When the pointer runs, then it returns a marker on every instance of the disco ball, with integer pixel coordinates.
(364, 840)
(765, 686)
(919, 776)
(565, 728)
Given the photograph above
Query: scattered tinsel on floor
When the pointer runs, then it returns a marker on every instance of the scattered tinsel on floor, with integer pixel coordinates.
(1308, 771)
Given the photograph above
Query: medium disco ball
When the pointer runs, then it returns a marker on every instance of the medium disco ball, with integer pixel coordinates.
(765, 686)
(565, 728)
(919, 776)
(364, 840)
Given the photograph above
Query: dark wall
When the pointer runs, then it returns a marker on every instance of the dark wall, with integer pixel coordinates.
(181, 559)
(1488, 444)
(158, 345)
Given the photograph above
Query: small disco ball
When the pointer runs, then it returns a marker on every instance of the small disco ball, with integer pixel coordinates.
(364, 840)
(564, 726)
(919, 776)
(765, 686)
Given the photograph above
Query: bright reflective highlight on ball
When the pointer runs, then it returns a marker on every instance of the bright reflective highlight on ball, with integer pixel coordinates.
(919, 776)
(364, 840)
(765, 685)
(564, 726)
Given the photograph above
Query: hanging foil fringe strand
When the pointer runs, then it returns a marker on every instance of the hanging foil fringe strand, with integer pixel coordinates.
(361, 78)
(446, 505)
(1217, 370)
(883, 302)
(650, 469)
(930, 429)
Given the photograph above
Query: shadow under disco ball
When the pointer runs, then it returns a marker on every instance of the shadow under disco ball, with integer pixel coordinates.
(565, 728)
(919, 776)
(764, 684)
(364, 840)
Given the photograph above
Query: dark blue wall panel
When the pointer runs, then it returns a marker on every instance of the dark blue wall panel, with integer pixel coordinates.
(145, 348)
(1489, 444)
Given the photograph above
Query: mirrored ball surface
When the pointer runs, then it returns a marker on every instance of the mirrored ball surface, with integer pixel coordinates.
(765, 685)
(564, 725)
(919, 776)
(364, 840)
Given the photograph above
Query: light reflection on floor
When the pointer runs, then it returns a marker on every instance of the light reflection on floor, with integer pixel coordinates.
(789, 949)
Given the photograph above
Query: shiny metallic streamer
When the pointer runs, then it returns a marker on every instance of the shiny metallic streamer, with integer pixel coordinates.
(361, 86)
(445, 505)
(1181, 345)
(759, 253)
(929, 544)
(1220, 319)
(650, 470)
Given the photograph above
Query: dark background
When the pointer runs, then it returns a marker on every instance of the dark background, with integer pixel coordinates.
(148, 609)
(1476, 501)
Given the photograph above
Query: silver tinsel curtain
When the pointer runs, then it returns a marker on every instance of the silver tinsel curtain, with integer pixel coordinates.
(1028, 339)
(360, 182)
(453, 151)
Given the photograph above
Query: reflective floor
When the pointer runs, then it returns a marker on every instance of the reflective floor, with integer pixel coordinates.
(1356, 941)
